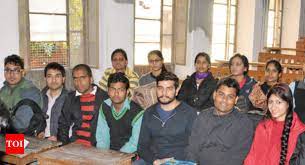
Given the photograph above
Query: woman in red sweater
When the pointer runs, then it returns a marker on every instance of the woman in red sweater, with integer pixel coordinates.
(276, 137)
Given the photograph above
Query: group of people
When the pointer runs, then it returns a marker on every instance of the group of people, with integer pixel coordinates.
(234, 120)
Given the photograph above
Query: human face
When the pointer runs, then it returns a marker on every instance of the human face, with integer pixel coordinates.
(237, 67)
(119, 63)
(271, 74)
(277, 107)
(224, 99)
(54, 79)
(202, 65)
(117, 92)
(13, 74)
(82, 81)
(166, 92)
(155, 62)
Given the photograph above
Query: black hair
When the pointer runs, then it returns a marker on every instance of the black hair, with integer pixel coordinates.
(244, 60)
(123, 52)
(118, 77)
(55, 66)
(84, 67)
(160, 55)
(283, 91)
(15, 60)
(203, 54)
(228, 82)
(168, 76)
(277, 65)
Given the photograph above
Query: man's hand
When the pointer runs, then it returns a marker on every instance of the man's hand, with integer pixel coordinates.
(52, 138)
(40, 135)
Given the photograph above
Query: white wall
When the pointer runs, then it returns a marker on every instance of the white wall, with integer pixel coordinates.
(291, 18)
(9, 40)
(245, 27)
(116, 31)
(197, 41)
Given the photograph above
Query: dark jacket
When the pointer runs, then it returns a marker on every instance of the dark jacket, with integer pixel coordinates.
(71, 115)
(200, 98)
(298, 156)
(243, 103)
(165, 139)
(55, 110)
(219, 140)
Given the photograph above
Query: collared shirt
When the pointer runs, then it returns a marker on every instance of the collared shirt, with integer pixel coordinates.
(292, 88)
(51, 102)
(93, 92)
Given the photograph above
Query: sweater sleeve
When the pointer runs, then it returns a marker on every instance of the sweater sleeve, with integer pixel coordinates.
(64, 122)
(102, 132)
(132, 144)
(193, 148)
(145, 140)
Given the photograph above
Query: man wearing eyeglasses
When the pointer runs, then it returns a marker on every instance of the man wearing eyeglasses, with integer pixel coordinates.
(17, 88)
(119, 119)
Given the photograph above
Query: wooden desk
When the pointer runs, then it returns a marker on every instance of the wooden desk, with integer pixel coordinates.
(36, 146)
(77, 154)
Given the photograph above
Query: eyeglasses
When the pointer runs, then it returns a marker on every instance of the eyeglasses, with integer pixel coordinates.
(14, 71)
(154, 61)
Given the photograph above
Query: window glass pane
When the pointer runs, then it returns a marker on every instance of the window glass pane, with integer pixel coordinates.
(219, 34)
(233, 2)
(231, 51)
(141, 51)
(218, 51)
(221, 1)
(270, 37)
(148, 9)
(47, 27)
(219, 14)
(167, 20)
(232, 34)
(232, 15)
(271, 4)
(47, 6)
(168, 2)
(147, 31)
(167, 48)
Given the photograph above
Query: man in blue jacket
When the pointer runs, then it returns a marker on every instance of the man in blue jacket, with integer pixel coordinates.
(167, 125)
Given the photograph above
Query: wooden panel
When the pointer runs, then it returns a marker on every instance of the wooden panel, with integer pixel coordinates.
(78, 154)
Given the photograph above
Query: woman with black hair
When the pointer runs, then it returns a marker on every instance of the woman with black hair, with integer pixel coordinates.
(239, 67)
(197, 89)
(276, 136)
(156, 64)
(258, 96)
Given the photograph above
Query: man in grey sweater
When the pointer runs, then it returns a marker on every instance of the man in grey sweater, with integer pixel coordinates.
(221, 134)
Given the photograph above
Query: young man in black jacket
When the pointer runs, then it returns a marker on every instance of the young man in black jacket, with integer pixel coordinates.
(166, 125)
(81, 109)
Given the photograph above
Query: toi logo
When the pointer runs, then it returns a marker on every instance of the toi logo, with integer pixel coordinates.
(14, 143)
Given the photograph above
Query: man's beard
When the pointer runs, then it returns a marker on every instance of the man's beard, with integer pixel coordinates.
(166, 102)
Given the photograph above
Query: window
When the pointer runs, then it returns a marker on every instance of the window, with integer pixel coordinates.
(224, 27)
(54, 31)
(153, 29)
(274, 23)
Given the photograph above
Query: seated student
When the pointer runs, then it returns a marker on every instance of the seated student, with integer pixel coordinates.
(298, 92)
(258, 96)
(81, 109)
(239, 67)
(276, 137)
(221, 134)
(17, 88)
(197, 89)
(156, 65)
(166, 125)
(119, 64)
(54, 95)
(120, 119)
